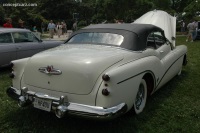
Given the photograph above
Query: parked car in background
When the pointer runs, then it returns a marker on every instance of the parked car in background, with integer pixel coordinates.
(102, 71)
(20, 43)
(198, 30)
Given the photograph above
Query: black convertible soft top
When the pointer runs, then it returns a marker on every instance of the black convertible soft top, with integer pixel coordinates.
(135, 35)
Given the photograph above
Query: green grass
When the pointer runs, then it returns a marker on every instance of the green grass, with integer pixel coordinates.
(172, 109)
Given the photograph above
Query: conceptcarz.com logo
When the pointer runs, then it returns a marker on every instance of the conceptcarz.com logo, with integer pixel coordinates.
(18, 4)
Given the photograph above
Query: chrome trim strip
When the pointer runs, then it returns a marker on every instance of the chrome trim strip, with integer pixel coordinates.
(44, 96)
(95, 110)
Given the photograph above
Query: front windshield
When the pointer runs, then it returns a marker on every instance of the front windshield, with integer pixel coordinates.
(96, 38)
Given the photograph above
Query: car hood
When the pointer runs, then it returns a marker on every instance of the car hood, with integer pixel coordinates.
(80, 67)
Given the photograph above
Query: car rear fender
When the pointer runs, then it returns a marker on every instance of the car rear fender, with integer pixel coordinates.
(124, 81)
(180, 50)
(18, 70)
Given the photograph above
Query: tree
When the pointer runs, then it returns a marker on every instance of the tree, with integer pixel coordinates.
(93, 10)
(192, 10)
(2, 15)
(113, 9)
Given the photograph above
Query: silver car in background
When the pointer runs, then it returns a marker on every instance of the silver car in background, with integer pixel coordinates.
(20, 43)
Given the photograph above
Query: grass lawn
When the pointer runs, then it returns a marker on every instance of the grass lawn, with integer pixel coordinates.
(172, 109)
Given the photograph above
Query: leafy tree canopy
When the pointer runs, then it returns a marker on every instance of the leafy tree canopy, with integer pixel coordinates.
(92, 11)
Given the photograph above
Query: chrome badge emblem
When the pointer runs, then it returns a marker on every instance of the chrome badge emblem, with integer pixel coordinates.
(50, 70)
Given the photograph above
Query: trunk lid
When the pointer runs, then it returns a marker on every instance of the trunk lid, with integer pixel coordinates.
(80, 66)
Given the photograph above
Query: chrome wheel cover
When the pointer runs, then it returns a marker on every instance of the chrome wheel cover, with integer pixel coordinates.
(141, 96)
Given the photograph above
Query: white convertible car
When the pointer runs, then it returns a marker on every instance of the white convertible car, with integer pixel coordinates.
(102, 71)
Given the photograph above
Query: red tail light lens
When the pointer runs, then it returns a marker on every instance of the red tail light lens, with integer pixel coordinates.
(106, 77)
(105, 92)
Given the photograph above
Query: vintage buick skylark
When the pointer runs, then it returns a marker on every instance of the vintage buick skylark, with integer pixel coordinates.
(103, 70)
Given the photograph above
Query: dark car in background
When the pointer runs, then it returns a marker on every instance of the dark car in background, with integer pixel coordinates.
(20, 43)
(198, 31)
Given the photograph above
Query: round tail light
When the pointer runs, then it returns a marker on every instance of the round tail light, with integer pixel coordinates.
(105, 92)
(106, 77)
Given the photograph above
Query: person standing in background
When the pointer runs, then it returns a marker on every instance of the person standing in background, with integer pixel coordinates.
(8, 23)
(64, 27)
(34, 29)
(42, 27)
(59, 29)
(21, 24)
(51, 27)
(75, 26)
(183, 27)
(36, 33)
(56, 29)
(195, 29)
(191, 28)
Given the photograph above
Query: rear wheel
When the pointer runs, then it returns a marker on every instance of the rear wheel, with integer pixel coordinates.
(141, 97)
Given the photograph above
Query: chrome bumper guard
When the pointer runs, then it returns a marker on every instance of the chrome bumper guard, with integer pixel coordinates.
(61, 106)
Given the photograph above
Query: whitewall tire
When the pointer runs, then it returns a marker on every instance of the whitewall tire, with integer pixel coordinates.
(141, 97)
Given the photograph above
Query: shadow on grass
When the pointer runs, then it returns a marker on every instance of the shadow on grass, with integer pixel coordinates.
(34, 120)
(165, 92)
(4, 70)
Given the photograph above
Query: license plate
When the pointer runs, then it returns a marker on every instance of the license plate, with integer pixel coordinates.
(42, 104)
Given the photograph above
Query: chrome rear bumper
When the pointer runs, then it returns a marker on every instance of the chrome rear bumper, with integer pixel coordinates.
(61, 106)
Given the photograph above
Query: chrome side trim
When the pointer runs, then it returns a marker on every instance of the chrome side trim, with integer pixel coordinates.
(62, 107)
